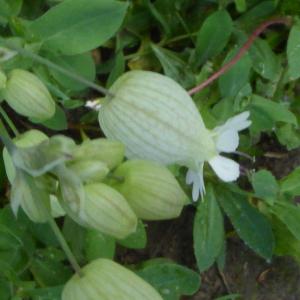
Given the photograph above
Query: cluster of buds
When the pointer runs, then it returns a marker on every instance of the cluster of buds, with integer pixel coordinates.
(89, 182)
(25, 93)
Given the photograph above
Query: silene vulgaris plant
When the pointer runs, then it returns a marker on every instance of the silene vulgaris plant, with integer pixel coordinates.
(96, 195)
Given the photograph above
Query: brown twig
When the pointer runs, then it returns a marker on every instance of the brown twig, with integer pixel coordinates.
(241, 53)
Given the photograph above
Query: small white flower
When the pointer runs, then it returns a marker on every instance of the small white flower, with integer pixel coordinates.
(156, 119)
(226, 140)
(93, 104)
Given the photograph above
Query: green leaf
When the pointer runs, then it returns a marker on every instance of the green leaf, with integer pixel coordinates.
(58, 121)
(44, 234)
(208, 231)
(12, 254)
(159, 17)
(288, 136)
(9, 8)
(85, 28)
(286, 243)
(249, 223)
(118, 68)
(213, 36)
(237, 77)
(98, 245)
(241, 5)
(48, 268)
(265, 62)
(257, 14)
(291, 183)
(75, 235)
(265, 185)
(288, 214)
(174, 66)
(5, 289)
(81, 64)
(170, 279)
(136, 240)
(277, 111)
(19, 227)
(49, 293)
(264, 113)
(293, 52)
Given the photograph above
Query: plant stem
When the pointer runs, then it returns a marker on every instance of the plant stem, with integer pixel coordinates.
(9, 122)
(5, 137)
(56, 67)
(241, 52)
(65, 246)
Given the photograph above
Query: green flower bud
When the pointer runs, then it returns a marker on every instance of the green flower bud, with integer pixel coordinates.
(2, 80)
(89, 170)
(28, 96)
(107, 210)
(107, 280)
(151, 190)
(28, 139)
(107, 151)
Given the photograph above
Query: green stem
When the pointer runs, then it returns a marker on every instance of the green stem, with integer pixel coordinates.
(56, 67)
(9, 122)
(61, 239)
(5, 138)
(65, 246)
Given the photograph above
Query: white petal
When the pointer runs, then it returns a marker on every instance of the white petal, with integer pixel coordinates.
(226, 169)
(238, 123)
(227, 141)
(196, 178)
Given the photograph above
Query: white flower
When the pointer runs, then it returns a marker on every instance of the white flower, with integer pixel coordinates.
(226, 140)
(156, 119)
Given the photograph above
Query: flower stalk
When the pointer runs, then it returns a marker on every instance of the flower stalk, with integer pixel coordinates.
(256, 33)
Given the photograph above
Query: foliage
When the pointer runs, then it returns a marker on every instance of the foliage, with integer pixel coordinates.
(89, 49)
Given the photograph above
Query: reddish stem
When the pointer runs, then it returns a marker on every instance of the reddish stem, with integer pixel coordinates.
(241, 53)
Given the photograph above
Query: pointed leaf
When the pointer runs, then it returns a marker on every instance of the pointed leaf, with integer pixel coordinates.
(85, 28)
(293, 52)
(249, 223)
(288, 214)
(291, 183)
(213, 36)
(208, 231)
(170, 279)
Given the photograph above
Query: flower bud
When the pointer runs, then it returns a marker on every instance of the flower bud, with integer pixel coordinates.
(28, 96)
(89, 170)
(151, 190)
(107, 210)
(108, 151)
(2, 80)
(28, 139)
(105, 279)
